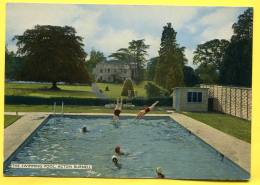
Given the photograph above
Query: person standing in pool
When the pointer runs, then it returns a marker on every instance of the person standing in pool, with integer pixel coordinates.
(118, 109)
(118, 151)
(146, 110)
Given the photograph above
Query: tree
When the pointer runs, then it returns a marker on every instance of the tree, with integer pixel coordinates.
(211, 52)
(190, 77)
(139, 50)
(207, 74)
(128, 87)
(95, 57)
(151, 68)
(237, 62)
(134, 56)
(14, 66)
(53, 54)
(169, 70)
(153, 90)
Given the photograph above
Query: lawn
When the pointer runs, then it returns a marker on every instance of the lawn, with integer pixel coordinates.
(10, 119)
(76, 109)
(231, 125)
(115, 89)
(42, 90)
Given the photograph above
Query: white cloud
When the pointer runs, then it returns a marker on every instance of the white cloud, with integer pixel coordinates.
(218, 24)
(155, 16)
(189, 55)
(108, 28)
(24, 16)
(113, 40)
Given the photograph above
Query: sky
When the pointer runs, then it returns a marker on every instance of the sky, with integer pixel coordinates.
(109, 27)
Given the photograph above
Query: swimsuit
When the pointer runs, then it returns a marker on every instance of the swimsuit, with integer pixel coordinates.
(147, 110)
(117, 112)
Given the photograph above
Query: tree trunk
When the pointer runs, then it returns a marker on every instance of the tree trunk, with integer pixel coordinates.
(54, 86)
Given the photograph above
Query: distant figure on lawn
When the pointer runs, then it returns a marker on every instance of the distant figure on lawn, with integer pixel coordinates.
(118, 109)
(146, 110)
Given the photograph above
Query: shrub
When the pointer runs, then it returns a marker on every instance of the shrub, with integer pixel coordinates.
(153, 90)
(107, 88)
(128, 86)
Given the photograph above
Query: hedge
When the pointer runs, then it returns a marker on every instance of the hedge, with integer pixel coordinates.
(30, 100)
(153, 90)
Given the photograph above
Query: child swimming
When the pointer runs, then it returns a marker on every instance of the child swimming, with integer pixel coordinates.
(84, 129)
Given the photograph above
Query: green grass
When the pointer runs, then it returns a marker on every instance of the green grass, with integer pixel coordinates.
(231, 125)
(75, 109)
(10, 119)
(42, 90)
(115, 89)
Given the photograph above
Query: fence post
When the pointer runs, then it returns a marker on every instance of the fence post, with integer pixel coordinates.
(241, 113)
(230, 101)
(235, 101)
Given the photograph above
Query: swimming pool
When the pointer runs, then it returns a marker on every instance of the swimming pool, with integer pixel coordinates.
(150, 142)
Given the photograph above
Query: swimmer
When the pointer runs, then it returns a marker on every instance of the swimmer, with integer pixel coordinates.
(159, 173)
(118, 109)
(146, 110)
(118, 151)
(84, 129)
(115, 160)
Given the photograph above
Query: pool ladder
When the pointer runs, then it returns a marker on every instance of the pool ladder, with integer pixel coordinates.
(62, 108)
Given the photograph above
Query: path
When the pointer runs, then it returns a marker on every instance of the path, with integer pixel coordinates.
(95, 90)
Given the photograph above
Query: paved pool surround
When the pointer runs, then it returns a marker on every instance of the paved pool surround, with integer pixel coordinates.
(232, 148)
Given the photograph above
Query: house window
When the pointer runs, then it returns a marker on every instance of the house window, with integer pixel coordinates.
(194, 97)
(101, 70)
(108, 70)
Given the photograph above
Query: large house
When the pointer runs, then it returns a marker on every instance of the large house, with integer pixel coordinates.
(113, 71)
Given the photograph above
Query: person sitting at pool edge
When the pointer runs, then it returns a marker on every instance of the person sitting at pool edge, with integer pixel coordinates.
(159, 173)
(118, 151)
(118, 109)
(146, 110)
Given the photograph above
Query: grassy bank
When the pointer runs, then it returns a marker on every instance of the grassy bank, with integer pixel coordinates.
(43, 90)
(115, 89)
(75, 109)
(231, 125)
(10, 119)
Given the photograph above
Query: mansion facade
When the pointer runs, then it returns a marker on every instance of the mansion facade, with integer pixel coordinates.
(110, 71)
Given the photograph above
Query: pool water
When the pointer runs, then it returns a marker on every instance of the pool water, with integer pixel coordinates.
(149, 143)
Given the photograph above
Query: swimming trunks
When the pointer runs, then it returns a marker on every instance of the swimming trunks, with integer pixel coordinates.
(117, 112)
(147, 110)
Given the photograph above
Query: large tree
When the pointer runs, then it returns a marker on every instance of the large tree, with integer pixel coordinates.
(190, 77)
(169, 70)
(207, 74)
(151, 68)
(211, 52)
(134, 56)
(237, 62)
(95, 57)
(53, 54)
(139, 50)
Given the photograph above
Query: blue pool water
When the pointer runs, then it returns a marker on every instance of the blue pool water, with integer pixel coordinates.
(150, 143)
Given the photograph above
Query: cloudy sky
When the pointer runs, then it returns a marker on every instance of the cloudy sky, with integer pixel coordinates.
(110, 27)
